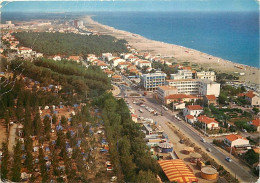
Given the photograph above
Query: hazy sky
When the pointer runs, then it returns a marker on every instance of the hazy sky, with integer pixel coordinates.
(130, 5)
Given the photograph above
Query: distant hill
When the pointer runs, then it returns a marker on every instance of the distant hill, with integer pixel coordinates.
(70, 43)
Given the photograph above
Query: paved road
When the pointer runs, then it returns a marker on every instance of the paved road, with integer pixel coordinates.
(242, 172)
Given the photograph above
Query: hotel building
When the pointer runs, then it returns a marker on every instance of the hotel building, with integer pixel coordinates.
(151, 81)
(195, 86)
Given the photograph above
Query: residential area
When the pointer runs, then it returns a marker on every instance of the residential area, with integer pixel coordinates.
(199, 125)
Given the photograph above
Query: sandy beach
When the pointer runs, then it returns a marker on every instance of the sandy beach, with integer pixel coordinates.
(179, 53)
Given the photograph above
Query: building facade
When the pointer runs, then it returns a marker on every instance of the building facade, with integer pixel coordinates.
(236, 140)
(194, 110)
(164, 91)
(151, 81)
(195, 86)
(210, 75)
(182, 74)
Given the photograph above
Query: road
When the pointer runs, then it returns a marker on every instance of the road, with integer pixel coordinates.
(237, 169)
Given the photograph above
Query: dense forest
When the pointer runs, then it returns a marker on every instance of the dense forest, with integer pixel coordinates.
(128, 151)
(70, 43)
(71, 76)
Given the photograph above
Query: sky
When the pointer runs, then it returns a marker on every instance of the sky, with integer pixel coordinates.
(130, 5)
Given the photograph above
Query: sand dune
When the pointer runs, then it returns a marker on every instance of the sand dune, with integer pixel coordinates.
(180, 53)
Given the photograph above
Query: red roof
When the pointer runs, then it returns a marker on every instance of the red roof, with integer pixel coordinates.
(250, 94)
(134, 115)
(234, 137)
(206, 120)
(24, 48)
(256, 122)
(75, 58)
(116, 76)
(241, 95)
(189, 116)
(179, 96)
(194, 107)
(177, 171)
(211, 97)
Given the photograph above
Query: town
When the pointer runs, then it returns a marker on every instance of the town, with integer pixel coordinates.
(199, 125)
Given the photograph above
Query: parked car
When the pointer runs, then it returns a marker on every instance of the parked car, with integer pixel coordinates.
(208, 149)
(203, 140)
(182, 141)
(228, 159)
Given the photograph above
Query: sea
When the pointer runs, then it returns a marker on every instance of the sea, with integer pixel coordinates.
(232, 36)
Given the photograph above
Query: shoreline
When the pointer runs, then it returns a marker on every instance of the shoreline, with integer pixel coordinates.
(178, 52)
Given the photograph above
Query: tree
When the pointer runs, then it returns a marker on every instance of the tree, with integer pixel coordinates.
(146, 176)
(16, 169)
(29, 157)
(42, 164)
(7, 120)
(251, 156)
(222, 98)
(37, 125)
(256, 110)
(5, 162)
(64, 120)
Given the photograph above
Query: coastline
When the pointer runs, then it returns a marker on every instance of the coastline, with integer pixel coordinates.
(179, 53)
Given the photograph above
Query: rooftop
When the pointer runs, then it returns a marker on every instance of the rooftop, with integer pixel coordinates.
(211, 97)
(194, 107)
(180, 96)
(206, 120)
(189, 116)
(256, 122)
(167, 87)
(177, 171)
(234, 137)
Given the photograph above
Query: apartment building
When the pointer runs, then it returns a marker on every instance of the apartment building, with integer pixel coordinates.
(195, 86)
(164, 91)
(182, 74)
(210, 75)
(151, 81)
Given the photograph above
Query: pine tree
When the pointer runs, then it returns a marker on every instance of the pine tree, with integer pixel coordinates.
(5, 162)
(29, 157)
(16, 169)
(37, 125)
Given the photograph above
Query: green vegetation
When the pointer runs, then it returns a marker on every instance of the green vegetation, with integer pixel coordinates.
(20, 101)
(243, 124)
(251, 157)
(164, 67)
(223, 77)
(128, 151)
(228, 92)
(70, 43)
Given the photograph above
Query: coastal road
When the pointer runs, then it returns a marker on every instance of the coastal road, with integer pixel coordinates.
(238, 170)
(241, 172)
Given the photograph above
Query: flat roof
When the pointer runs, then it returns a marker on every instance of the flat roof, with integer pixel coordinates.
(176, 170)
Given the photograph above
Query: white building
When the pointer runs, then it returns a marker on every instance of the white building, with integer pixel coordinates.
(210, 123)
(194, 110)
(208, 87)
(152, 80)
(210, 75)
(107, 56)
(123, 65)
(164, 91)
(236, 140)
(195, 86)
(182, 74)
(144, 63)
(24, 50)
(116, 61)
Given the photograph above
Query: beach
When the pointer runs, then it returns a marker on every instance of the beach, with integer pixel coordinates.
(179, 53)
